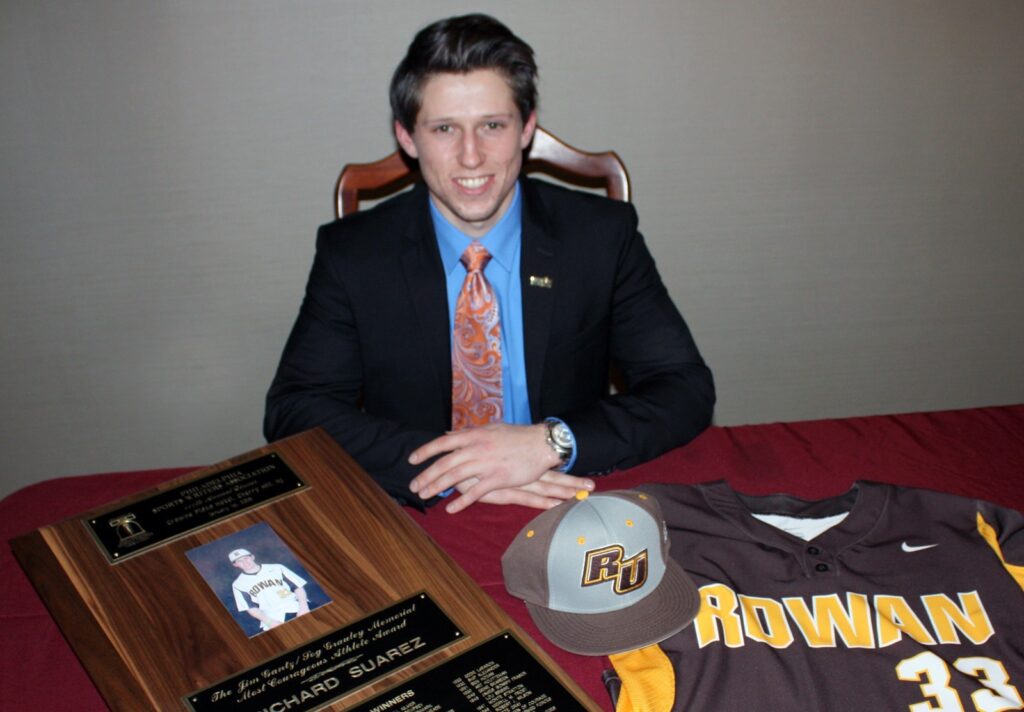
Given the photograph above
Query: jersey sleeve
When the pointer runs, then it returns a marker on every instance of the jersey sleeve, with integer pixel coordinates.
(648, 682)
(297, 580)
(1003, 530)
(240, 601)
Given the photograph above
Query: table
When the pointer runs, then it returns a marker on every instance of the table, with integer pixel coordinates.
(974, 452)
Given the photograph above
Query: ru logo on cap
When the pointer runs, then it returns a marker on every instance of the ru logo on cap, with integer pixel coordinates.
(596, 575)
(610, 564)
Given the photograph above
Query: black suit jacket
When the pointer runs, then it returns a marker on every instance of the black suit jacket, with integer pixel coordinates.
(369, 357)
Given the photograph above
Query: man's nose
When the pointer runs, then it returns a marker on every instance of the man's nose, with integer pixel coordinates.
(470, 155)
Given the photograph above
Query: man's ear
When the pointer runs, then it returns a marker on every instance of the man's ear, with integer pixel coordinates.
(528, 128)
(405, 140)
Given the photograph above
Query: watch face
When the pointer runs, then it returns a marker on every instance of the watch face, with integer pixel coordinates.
(561, 435)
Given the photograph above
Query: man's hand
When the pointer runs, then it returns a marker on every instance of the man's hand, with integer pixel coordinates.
(551, 489)
(300, 596)
(263, 618)
(498, 463)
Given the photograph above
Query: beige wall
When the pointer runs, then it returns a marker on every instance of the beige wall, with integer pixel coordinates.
(834, 192)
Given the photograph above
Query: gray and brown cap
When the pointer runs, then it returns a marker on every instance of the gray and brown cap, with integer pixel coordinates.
(596, 575)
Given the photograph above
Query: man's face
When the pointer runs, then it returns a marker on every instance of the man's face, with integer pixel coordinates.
(469, 139)
(246, 564)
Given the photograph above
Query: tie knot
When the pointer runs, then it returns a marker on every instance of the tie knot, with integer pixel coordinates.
(476, 257)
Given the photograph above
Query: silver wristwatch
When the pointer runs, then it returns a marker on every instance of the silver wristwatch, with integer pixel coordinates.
(559, 439)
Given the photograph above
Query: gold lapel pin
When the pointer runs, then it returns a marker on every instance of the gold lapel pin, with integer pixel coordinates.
(543, 282)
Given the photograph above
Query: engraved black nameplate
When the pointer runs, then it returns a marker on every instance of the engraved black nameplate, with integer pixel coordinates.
(325, 669)
(499, 674)
(149, 522)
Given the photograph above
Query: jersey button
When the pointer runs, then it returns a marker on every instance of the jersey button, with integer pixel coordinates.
(813, 550)
(821, 567)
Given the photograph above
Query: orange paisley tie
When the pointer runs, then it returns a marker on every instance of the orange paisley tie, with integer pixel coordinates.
(476, 347)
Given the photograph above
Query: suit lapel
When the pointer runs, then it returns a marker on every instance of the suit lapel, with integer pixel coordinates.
(425, 280)
(538, 259)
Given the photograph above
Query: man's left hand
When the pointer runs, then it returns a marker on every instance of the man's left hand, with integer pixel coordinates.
(497, 456)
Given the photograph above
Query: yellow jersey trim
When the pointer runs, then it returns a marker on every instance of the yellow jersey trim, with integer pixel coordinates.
(988, 533)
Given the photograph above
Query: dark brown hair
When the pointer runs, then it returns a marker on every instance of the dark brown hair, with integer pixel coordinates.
(459, 45)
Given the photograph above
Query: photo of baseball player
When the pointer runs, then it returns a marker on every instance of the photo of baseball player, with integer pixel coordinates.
(258, 578)
(270, 593)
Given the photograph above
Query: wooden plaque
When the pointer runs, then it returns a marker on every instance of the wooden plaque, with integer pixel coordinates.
(141, 589)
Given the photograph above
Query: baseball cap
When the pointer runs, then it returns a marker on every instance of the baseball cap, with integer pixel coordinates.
(238, 554)
(596, 575)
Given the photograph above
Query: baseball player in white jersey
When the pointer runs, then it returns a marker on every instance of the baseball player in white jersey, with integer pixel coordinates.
(270, 593)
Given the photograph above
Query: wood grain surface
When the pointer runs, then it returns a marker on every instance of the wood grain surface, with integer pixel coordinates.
(150, 630)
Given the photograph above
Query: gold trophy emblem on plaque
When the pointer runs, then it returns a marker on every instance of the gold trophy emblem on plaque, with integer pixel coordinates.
(129, 532)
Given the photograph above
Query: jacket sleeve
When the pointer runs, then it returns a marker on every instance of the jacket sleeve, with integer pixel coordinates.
(319, 383)
(669, 392)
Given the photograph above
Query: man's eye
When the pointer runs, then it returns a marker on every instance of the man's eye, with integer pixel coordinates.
(443, 128)
(494, 125)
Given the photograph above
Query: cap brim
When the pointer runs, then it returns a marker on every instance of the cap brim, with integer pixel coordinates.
(664, 612)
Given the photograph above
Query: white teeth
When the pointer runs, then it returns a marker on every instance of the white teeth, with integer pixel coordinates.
(471, 183)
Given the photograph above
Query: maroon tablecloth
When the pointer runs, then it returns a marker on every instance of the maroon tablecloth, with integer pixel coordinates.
(977, 452)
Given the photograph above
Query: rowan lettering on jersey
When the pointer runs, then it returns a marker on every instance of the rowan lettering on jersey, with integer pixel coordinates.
(275, 583)
(853, 620)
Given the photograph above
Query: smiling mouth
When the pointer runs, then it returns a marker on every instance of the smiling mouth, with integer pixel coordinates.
(473, 183)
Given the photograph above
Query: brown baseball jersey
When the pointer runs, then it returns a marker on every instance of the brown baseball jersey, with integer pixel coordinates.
(912, 601)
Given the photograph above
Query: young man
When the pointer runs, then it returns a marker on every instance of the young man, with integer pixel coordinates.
(459, 336)
(270, 593)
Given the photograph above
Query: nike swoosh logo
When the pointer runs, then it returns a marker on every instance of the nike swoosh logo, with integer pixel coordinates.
(911, 549)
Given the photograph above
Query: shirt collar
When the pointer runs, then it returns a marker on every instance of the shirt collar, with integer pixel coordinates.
(501, 240)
